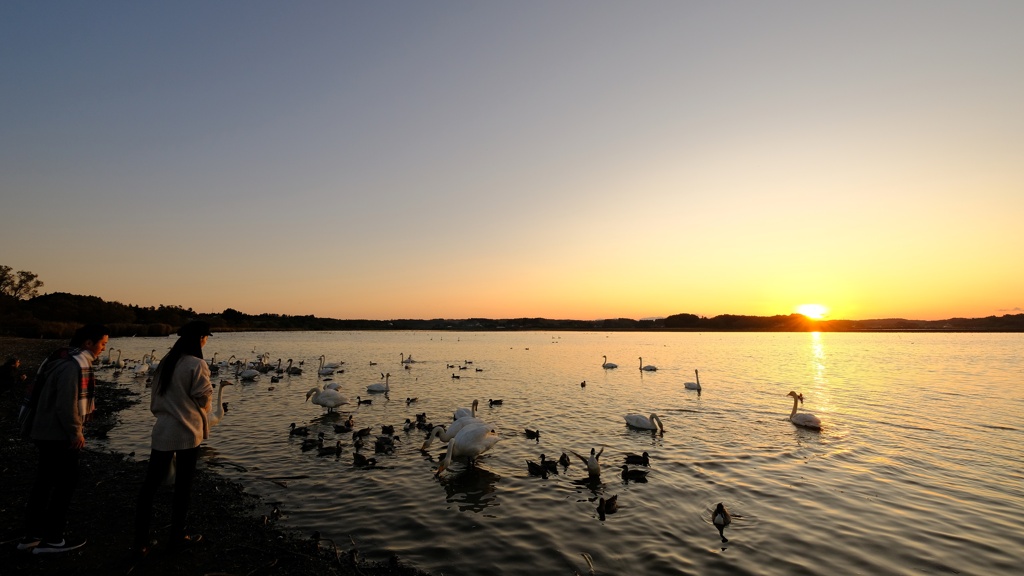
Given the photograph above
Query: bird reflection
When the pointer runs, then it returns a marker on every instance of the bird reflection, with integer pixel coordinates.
(472, 489)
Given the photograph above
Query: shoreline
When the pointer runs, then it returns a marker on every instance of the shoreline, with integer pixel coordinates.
(239, 537)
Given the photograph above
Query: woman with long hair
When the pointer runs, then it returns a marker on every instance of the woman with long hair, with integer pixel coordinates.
(180, 400)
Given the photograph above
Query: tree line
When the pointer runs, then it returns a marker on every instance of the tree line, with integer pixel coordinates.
(26, 313)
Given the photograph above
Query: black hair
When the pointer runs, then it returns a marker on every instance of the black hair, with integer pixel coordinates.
(94, 332)
(190, 344)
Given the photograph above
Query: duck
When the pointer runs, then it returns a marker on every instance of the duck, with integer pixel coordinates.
(532, 434)
(648, 368)
(379, 388)
(593, 462)
(410, 400)
(549, 465)
(536, 469)
(346, 426)
(608, 505)
(470, 442)
(361, 402)
(388, 429)
(635, 474)
(330, 450)
(220, 408)
(693, 385)
(608, 365)
(409, 425)
(492, 402)
(642, 459)
(310, 443)
(360, 460)
(721, 518)
(564, 460)
(644, 423)
(298, 430)
(803, 419)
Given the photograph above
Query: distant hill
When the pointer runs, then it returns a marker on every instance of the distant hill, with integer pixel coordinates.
(57, 315)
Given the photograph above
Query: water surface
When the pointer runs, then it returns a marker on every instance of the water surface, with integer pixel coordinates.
(918, 468)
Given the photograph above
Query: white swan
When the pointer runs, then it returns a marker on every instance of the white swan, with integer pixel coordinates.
(648, 368)
(379, 388)
(803, 419)
(470, 442)
(693, 385)
(248, 375)
(446, 434)
(217, 410)
(119, 364)
(405, 360)
(329, 399)
(593, 463)
(325, 369)
(608, 364)
(644, 423)
(463, 412)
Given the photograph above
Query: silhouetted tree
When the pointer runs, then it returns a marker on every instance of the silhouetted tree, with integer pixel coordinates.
(21, 285)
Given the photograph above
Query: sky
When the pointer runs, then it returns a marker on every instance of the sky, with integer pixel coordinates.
(563, 159)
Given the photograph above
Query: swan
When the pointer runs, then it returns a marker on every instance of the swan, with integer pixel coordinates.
(247, 375)
(217, 410)
(330, 365)
(607, 364)
(470, 442)
(803, 419)
(463, 412)
(648, 368)
(446, 434)
(642, 459)
(645, 423)
(593, 463)
(693, 385)
(324, 369)
(405, 360)
(332, 386)
(293, 370)
(721, 518)
(329, 399)
(378, 388)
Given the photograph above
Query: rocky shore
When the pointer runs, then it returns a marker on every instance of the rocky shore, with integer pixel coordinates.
(240, 536)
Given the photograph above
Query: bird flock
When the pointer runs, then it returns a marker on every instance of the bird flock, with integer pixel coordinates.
(466, 436)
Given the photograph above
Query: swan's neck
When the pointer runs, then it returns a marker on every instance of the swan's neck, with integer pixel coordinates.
(793, 413)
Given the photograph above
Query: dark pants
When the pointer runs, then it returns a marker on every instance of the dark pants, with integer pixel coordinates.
(159, 466)
(56, 478)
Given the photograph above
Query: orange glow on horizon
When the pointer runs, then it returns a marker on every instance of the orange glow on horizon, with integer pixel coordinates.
(812, 311)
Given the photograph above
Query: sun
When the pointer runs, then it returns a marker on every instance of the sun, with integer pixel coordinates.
(812, 311)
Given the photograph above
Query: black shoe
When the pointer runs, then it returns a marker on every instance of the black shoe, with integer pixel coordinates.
(65, 545)
(27, 543)
(186, 542)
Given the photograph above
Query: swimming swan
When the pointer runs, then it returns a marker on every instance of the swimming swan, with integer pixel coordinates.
(379, 388)
(693, 385)
(644, 423)
(648, 368)
(803, 419)
(608, 364)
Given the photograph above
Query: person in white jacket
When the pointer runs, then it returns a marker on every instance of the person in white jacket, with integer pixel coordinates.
(180, 400)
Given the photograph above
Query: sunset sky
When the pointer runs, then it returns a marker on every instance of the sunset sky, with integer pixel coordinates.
(560, 159)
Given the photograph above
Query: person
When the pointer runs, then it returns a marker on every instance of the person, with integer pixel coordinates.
(11, 374)
(65, 387)
(180, 400)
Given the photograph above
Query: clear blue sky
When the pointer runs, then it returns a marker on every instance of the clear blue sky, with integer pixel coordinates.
(568, 159)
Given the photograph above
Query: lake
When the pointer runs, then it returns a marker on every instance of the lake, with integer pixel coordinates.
(918, 468)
